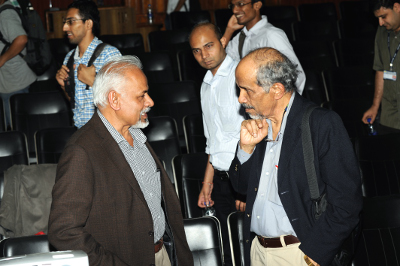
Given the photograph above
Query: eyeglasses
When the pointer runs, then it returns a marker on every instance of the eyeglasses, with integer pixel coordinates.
(238, 5)
(71, 21)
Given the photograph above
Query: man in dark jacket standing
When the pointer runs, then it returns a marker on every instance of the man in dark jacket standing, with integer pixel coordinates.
(279, 226)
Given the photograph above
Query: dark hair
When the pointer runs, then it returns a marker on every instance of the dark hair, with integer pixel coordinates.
(274, 67)
(377, 4)
(255, 1)
(209, 25)
(88, 10)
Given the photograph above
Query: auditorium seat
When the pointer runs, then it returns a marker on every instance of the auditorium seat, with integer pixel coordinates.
(33, 111)
(158, 67)
(127, 44)
(194, 133)
(235, 229)
(204, 239)
(189, 68)
(2, 117)
(13, 149)
(314, 88)
(189, 172)
(315, 31)
(317, 55)
(380, 237)
(169, 40)
(18, 246)
(349, 52)
(162, 136)
(59, 48)
(379, 160)
(279, 13)
(175, 99)
(50, 143)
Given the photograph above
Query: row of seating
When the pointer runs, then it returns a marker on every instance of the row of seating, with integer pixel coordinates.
(203, 237)
(376, 245)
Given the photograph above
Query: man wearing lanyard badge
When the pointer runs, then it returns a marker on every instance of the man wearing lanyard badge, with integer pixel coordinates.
(387, 65)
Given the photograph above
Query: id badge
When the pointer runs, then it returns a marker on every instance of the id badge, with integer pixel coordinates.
(389, 75)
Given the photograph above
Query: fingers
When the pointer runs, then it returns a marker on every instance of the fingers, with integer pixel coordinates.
(240, 205)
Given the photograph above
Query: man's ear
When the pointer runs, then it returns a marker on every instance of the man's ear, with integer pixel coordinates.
(257, 5)
(396, 7)
(279, 90)
(223, 42)
(114, 100)
(89, 24)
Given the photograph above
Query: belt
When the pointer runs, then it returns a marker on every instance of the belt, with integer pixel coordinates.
(158, 245)
(276, 241)
(223, 175)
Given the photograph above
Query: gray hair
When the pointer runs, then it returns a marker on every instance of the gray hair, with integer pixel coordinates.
(274, 68)
(112, 76)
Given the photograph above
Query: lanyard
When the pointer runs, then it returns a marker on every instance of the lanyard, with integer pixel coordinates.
(395, 53)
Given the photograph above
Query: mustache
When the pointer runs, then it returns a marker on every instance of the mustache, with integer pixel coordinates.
(247, 106)
(146, 110)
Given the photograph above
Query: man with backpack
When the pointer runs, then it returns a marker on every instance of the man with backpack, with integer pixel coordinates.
(15, 74)
(77, 74)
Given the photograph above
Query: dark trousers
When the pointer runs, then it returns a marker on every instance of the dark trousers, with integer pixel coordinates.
(223, 196)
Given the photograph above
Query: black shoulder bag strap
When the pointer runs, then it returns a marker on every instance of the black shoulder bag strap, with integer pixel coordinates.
(308, 153)
(70, 84)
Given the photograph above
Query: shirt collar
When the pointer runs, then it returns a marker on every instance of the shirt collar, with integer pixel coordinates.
(223, 70)
(92, 46)
(136, 133)
(256, 28)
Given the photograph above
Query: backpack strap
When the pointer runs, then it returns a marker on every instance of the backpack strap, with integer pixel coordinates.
(94, 56)
(70, 83)
(308, 153)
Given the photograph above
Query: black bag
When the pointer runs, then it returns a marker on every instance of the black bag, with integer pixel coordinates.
(345, 255)
(38, 55)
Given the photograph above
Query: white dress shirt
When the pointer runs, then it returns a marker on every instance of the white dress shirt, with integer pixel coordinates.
(221, 117)
(264, 34)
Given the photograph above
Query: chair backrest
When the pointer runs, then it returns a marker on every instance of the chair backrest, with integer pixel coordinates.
(379, 160)
(194, 133)
(380, 237)
(359, 85)
(317, 55)
(189, 68)
(317, 12)
(235, 229)
(349, 52)
(189, 172)
(279, 13)
(180, 20)
(314, 88)
(127, 44)
(13, 149)
(47, 81)
(312, 31)
(158, 67)
(169, 40)
(162, 136)
(33, 111)
(175, 99)
(50, 143)
(16, 246)
(204, 238)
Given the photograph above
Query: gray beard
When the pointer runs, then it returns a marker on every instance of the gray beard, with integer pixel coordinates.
(141, 124)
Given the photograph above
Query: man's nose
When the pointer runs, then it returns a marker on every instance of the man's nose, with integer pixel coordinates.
(242, 98)
(381, 22)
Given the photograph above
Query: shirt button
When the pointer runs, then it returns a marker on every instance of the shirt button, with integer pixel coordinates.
(248, 215)
(255, 189)
(267, 173)
(247, 241)
(271, 150)
(258, 217)
(151, 233)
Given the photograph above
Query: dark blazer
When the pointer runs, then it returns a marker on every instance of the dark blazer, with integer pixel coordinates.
(98, 206)
(338, 177)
